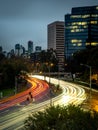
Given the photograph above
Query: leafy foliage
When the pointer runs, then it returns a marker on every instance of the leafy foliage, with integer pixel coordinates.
(62, 118)
(87, 56)
(46, 58)
(9, 68)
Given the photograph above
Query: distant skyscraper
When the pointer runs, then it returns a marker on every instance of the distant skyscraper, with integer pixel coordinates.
(81, 29)
(30, 47)
(23, 48)
(38, 49)
(17, 49)
(56, 41)
(12, 52)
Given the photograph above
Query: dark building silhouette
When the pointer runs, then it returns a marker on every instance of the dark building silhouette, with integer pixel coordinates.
(17, 49)
(38, 49)
(30, 47)
(1, 49)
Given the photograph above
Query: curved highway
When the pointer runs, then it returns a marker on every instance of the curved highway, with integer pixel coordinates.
(37, 87)
(15, 119)
(72, 93)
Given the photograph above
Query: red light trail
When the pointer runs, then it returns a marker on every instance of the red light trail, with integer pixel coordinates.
(37, 87)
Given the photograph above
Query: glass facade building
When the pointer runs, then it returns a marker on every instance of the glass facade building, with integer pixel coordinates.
(81, 29)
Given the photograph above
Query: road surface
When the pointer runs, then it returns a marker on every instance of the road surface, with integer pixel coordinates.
(10, 120)
(37, 87)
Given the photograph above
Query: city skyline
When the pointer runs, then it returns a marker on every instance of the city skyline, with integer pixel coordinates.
(21, 20)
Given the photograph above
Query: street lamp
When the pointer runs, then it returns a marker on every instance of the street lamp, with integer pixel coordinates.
(90, 72)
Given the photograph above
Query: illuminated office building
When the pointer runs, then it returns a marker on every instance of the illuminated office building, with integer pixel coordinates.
(81, 29)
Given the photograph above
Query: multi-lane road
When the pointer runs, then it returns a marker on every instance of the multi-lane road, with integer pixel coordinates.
(37, 87)
(13, 117)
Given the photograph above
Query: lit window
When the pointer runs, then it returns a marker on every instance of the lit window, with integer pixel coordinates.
(72, 30)
(97, 7)
(73, 27)
(79, 44)
(83, 23)
(85, 16)
(74, 23)
(75, 40)
(75, 16)
(94, 15)
(87, 44)
(79, 23)
(79, 30)
(93, 22)
(94, 43)
(85, 26)
(74, 44)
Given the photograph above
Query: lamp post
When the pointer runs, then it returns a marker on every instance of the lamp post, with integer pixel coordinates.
(90, 72)
(50, 65)
(58, 77)
(49, 74)
(16, 84)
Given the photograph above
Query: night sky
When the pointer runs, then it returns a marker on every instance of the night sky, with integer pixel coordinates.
(24, 20)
